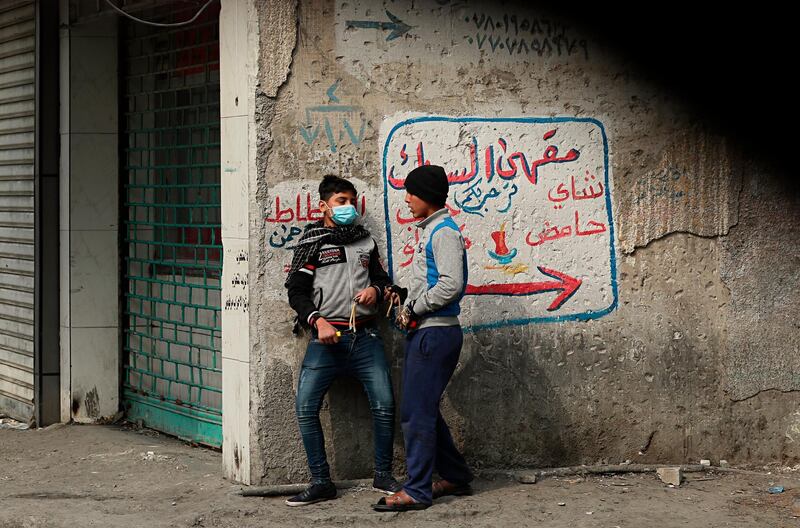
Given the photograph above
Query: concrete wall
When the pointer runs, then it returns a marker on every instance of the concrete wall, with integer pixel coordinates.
(632, 271)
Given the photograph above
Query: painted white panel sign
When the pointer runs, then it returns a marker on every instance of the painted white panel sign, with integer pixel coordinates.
(532, 197)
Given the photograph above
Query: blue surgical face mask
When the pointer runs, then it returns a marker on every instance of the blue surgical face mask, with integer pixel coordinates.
(344, 214)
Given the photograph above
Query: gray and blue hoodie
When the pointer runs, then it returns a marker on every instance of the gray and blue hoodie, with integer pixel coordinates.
(438, 271)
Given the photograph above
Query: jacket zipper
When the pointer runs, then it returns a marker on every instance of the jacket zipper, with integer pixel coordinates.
(350, 273)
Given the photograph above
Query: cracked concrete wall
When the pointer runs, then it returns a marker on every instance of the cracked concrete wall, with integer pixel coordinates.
(759, 264)
(699, 358)
(694, 188)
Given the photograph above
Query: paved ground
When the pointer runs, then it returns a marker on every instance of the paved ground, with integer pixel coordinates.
(112, 476)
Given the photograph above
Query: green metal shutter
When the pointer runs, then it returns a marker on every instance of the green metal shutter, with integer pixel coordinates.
(173, 265)
(17, 108)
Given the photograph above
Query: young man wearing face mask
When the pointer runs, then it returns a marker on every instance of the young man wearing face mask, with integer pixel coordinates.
(335, 283)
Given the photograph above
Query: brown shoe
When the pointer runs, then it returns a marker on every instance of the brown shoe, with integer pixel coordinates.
(442, 488)
(399, 502)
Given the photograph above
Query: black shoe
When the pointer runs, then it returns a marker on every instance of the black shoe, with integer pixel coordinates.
(314, 493)
(386, 485)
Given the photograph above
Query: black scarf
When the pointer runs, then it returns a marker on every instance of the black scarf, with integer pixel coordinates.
(316, 234)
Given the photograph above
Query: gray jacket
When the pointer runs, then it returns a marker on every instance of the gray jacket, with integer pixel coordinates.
(438, 272)
(327, 283)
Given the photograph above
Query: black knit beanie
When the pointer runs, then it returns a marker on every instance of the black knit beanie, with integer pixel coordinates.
(428, 182)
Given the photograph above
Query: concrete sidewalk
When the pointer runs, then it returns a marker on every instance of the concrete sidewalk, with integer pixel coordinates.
(115, 476)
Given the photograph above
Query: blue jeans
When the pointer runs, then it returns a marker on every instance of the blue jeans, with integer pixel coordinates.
(431, 358)
(361, 356)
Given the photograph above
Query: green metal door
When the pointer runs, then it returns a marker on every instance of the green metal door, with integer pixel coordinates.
(173, 261)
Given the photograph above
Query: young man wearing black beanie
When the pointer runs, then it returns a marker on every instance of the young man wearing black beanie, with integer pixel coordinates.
(433, 346)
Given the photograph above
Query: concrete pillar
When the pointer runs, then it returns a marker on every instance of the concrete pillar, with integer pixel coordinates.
(237, 78)
(89, 219)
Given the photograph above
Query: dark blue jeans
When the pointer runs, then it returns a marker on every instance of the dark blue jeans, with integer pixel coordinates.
(431, 358)
(359, 355)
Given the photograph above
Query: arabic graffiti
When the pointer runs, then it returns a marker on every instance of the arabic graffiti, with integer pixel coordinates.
(492, 164)
(237, 303)
(281, 236)
(668, 183)
(297, 214)
(337, 122)
(235, 294)
(521, 35)
(554, 233)
(537, 223)
(467, 33)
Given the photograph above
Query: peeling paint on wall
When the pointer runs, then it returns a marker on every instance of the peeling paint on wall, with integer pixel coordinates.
(693, 189)
(278, 21)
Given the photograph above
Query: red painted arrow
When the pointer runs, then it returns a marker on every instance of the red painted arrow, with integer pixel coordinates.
(566, 284)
